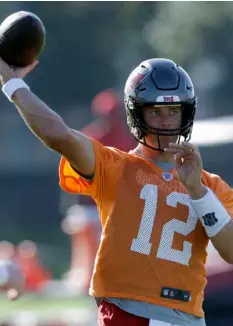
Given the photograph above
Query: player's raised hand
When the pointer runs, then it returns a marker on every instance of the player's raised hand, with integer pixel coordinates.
(23, 71)
(7, 72)
(188, 164)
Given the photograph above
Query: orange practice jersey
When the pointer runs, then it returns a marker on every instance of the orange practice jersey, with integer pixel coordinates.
(151, 236)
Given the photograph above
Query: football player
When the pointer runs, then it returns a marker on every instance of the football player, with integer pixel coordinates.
(158, 207)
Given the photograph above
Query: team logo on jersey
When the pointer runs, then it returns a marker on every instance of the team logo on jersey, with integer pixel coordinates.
(167, 176)
(176, 294)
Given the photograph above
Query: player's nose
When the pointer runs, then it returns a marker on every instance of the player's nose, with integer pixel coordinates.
(165, 123)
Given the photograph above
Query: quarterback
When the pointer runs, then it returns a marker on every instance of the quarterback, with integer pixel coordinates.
(158, 207)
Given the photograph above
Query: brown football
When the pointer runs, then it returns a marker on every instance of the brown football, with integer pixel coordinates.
(22, 38)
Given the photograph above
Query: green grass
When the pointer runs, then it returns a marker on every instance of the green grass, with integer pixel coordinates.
(45, 308)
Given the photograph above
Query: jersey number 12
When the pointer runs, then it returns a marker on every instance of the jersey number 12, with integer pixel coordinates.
(142, 244)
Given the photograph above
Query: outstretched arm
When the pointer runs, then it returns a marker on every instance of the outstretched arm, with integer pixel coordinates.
(47, 125)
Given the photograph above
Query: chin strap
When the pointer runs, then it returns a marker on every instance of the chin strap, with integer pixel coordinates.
(143, 142)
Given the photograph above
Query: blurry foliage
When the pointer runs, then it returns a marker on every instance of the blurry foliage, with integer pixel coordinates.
(198, 36)
(94, 45)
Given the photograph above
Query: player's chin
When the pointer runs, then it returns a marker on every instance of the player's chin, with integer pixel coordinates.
(165, 140)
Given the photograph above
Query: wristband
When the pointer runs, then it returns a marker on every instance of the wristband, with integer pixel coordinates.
(10, 87)
(211, 212)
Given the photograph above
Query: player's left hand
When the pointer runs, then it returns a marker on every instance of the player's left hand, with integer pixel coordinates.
(188, 164)
(7, 72)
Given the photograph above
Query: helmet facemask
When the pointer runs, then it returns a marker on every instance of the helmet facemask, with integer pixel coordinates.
(140, 129)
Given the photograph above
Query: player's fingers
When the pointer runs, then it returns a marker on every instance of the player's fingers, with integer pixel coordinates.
(29, 68)
(22, 72)
(32, 65)
(179, 158)
(186, 149)
(197, 156)
(182, 150)
(190, 146)
(172, 150)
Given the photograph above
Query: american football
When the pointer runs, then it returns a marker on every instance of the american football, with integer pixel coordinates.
(22, 38)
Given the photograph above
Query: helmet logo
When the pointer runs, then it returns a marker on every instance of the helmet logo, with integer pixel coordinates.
(138, 75)
(168, 99)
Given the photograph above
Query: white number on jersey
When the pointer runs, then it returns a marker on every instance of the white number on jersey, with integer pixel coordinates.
(142, 243)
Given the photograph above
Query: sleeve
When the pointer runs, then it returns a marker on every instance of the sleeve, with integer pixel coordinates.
(70, 181)
(221, 189)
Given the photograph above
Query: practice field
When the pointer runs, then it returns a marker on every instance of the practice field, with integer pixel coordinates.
(30, 310)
